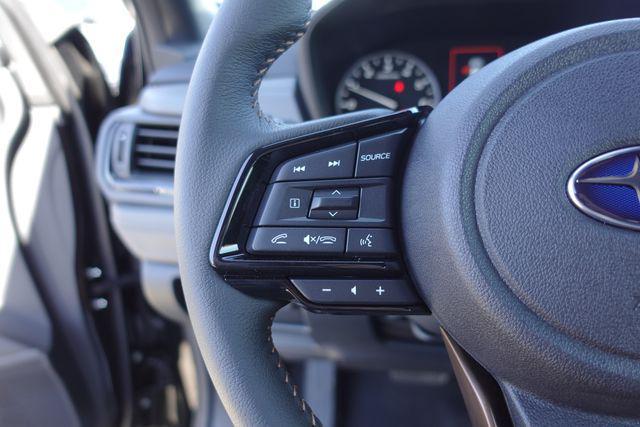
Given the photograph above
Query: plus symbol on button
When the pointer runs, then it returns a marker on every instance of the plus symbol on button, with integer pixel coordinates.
(380, 290)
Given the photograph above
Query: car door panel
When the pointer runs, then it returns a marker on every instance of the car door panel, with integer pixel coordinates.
(26, 375)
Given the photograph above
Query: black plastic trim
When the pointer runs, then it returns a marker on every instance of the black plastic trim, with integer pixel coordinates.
(268, 276)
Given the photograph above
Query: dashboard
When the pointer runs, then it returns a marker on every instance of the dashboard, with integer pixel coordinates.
(356, 54)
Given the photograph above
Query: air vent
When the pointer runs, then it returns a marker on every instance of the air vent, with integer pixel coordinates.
(154, 149)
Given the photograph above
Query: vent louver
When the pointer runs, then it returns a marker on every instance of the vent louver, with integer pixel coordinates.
(154, 149)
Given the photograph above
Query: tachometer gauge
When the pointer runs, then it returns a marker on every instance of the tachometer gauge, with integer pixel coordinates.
(393, 80)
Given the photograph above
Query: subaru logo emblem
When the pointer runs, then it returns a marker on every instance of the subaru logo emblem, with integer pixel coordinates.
(607, 188)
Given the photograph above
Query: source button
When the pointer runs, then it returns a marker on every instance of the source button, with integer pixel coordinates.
(377, 156)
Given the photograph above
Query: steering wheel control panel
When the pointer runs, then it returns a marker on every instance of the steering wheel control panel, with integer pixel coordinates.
(314, 219)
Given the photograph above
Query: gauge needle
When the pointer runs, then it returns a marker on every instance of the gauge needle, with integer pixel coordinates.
(374, 96)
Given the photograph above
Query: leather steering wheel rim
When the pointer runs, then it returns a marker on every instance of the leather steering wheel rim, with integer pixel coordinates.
(221, 125)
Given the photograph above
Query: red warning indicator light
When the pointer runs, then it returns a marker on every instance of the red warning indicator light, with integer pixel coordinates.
(466, 60)
(398, 86)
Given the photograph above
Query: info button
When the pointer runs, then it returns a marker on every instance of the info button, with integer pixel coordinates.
(377, 156)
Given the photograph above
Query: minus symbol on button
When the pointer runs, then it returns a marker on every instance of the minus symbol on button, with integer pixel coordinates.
(326, 289)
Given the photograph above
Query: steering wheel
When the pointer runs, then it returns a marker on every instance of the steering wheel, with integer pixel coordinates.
(540, 294)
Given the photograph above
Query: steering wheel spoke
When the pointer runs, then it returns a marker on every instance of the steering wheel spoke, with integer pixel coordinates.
(313, 219)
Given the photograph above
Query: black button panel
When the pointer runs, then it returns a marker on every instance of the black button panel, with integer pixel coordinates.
(356, 291)
(314, 218)
(333, 163)
(296, 241)
(373, 196)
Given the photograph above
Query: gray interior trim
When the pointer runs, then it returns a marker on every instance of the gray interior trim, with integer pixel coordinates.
(294, 341)
(277, 98)
(28, 382)
(166, 99)
(158, 288)
(146, 231)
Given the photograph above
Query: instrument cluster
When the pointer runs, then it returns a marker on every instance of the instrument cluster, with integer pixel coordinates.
(397, 80)
(361, 54)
